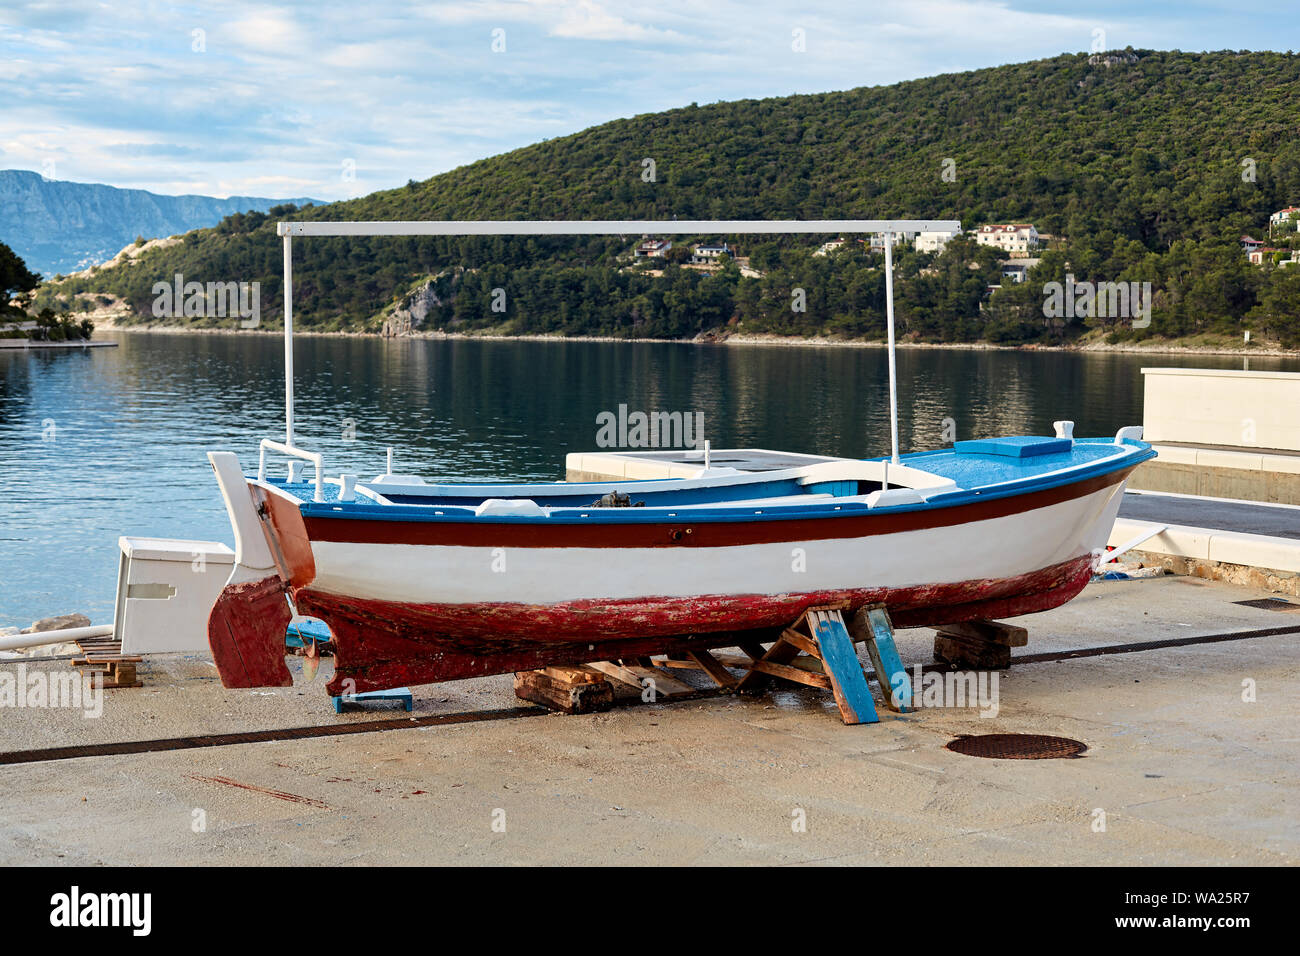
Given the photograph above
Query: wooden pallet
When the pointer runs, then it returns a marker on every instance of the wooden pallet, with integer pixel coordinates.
(590, 687)
(818, 650)
(105, 658)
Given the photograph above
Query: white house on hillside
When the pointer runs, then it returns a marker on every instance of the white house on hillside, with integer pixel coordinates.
(705, 254)
(1017, 239)
(652, 249)
(835, 245)
(878, 241)
(935, 241)
(1287, 219)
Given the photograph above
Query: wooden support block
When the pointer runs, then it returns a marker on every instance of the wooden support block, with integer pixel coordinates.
(123, 673)
(107, 681)
(977, 655)
(570, 697)
(579, 674)
(1008, 635)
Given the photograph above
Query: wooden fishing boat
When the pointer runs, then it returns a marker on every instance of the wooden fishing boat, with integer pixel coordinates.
(426, 582)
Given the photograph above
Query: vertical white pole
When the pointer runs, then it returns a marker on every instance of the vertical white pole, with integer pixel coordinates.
(288, 340)
(889, 324)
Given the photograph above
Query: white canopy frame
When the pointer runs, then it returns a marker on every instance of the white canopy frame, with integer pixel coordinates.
(886, 228)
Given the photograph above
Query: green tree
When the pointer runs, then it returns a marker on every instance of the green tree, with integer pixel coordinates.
(17, 282)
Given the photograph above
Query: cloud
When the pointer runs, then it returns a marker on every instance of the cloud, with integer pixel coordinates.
(283, 95)
(267, 31)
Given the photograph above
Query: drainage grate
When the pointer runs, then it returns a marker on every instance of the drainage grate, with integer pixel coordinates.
(1270, 604)
(1017, 746)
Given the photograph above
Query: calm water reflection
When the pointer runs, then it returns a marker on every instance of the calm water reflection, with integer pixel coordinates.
(107, 442)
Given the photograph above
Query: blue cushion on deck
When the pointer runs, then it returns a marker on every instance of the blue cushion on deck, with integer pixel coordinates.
(1016, 446)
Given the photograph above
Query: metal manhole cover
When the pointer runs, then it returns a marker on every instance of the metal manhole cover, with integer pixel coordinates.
(1270, 604)
(1017, 746)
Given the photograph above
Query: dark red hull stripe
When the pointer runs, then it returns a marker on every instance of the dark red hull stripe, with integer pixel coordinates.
(382, 644)
(682, 533)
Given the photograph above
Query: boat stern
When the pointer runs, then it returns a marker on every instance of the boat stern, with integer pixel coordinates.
(246, 630)
(247, 624)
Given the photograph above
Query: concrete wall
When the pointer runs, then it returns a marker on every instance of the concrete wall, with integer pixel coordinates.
(1222, 407)
(1214, 473)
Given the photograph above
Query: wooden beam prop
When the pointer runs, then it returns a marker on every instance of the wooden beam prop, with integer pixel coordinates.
(848, 682)
(872, 626)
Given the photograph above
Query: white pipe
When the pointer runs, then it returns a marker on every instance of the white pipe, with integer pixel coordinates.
(390, 460)
(889, 325)
(55, 637)
(288, 339)
(608, 227)
(315, 457)
(1110, 556)
(614, 227)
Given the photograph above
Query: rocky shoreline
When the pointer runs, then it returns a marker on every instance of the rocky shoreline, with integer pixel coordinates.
(1143, 348)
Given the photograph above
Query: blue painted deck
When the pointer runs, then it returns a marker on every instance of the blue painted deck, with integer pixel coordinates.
(981, 469)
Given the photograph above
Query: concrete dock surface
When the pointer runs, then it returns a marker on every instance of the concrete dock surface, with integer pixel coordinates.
(1182, 766)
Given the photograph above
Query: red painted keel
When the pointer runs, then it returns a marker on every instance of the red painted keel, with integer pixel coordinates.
(382, 644)
(246, 630)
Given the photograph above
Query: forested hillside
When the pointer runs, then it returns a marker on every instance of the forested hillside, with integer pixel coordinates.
(1147, 166)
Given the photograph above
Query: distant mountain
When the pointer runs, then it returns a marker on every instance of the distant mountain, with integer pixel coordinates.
(58, 226)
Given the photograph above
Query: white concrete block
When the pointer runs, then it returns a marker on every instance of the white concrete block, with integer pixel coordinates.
(1255, 550)
(165, 590)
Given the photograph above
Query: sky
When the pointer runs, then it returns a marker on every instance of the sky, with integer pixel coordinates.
(332, 100)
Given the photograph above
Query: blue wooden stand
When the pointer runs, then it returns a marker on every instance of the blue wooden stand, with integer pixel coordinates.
(831, 660)
(401, 695)
(872, 626)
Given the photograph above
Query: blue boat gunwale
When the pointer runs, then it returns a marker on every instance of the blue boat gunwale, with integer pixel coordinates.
(1136, 453)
